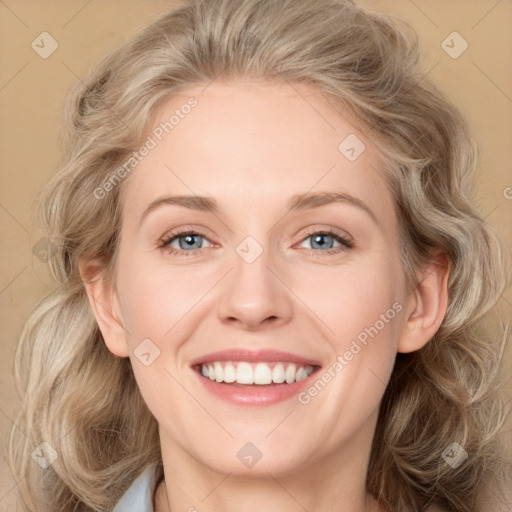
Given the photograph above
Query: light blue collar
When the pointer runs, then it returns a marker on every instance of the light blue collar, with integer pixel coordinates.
(139, 496)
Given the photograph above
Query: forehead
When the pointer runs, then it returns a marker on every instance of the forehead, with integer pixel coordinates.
(255, 143)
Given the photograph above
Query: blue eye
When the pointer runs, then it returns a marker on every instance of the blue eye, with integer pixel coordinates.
(324, 240)
(188, 240)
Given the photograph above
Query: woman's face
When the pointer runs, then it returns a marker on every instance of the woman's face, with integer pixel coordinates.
(257, 274)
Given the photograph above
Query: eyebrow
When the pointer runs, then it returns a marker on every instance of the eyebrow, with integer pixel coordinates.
(296, 202)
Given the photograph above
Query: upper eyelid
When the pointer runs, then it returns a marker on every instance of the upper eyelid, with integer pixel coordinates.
(183, 232)
(329, 231)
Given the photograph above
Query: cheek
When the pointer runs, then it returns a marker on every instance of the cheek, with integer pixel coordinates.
(356, 299)
(362, 306)
(364, 325)
(154, 297)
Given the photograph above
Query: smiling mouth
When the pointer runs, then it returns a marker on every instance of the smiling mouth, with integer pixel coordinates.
(250, 374)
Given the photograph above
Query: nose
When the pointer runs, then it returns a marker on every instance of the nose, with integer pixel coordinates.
(255, 295)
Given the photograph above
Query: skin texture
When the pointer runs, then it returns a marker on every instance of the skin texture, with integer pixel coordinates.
(251, 146)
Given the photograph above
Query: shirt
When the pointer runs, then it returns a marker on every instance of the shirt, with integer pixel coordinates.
(139, 496)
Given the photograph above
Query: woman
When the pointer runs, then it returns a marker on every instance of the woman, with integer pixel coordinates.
(274, 290)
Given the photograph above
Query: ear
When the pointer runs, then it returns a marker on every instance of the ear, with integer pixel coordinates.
(104, 302)
(427, 305)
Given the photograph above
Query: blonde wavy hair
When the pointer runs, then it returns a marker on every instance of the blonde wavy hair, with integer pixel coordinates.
(84, 401)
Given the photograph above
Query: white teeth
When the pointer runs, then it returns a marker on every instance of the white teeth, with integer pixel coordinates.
(290, 374)
(219, 373)
(256, 373)
(244, 374)
(278, 374)
(301, 374)
(262, 374)
(229, 373)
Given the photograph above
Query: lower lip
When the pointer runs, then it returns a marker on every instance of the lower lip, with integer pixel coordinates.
(254, 394)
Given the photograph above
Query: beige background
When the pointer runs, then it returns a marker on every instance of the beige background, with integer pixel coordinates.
(32, 90)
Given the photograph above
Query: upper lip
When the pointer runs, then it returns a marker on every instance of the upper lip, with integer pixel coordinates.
(241, 354)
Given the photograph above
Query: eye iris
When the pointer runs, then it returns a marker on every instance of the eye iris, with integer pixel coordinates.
(189, 241)
(322, 244)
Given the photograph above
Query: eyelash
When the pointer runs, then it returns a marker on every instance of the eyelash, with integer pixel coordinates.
(345, 242)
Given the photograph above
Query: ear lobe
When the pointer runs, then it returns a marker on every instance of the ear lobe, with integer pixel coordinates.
(104, 303)
(427, 305)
